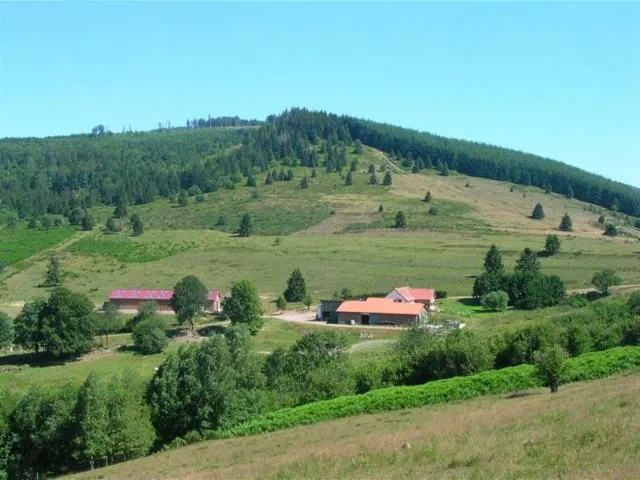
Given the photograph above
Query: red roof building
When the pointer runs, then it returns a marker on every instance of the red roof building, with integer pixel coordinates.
(129, 300)
(426, 296)
(381, 311)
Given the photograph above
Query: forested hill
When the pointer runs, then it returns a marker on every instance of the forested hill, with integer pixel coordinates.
(57, 174)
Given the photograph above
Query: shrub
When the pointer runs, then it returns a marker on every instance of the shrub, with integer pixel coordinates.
(433, 211)
(200, 198)
(586, 367)
(149, 335)
(281, 303)
(633, 303)
(441, 294)
(610, 230)
(552, 245)
(496, 301)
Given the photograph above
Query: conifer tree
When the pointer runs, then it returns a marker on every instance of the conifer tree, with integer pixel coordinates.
(400, 221)
(53, 276)
(349, 179)
(538, 212)
(387, 179)
(296, 287)
(493, 260)
(246, 226)
(566, 225)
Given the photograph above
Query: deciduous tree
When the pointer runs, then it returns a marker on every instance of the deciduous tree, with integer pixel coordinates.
(189, 299)
(605, 279)
(243, 306)
(550, 364)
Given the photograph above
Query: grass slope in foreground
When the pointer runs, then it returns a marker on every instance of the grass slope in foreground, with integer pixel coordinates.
(587, 430)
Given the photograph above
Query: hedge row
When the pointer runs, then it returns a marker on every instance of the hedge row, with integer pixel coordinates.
(585, 367)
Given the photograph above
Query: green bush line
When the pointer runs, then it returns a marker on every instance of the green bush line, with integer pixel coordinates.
(589, 366)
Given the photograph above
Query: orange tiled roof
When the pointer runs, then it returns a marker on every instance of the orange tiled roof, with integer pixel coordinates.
(413, 294)
(380, 305)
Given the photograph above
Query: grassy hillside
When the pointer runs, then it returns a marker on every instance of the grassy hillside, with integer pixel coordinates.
(581, 432)
(336, 235)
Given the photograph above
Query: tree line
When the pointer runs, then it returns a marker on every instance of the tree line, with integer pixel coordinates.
(55, 175)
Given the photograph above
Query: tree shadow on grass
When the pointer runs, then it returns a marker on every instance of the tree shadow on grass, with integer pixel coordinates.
(32, 360)
(469, 302)
(209, 330)
(521, 394)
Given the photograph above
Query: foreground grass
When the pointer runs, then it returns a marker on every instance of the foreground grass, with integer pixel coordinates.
(587, 430)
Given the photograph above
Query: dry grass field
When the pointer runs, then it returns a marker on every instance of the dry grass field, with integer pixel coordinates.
(588, 430)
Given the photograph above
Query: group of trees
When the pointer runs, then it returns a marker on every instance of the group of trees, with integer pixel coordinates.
(59, 175)
(525, 288)
(202, 387)
(53, 432)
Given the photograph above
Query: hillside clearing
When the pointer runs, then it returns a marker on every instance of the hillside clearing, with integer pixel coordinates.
(587, 430)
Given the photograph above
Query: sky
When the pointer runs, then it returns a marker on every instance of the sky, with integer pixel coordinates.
(560, 80)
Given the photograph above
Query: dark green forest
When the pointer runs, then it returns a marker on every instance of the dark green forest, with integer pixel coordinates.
(57, 174)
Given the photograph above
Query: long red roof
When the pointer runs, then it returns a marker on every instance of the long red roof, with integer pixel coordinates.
(384, 306)
(145, 294)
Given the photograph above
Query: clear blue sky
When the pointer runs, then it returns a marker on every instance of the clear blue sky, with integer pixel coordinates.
(560, 80)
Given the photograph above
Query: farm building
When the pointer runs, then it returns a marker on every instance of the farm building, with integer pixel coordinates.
(381, 311)
(426, 296)
(326, 311)
(129, 300)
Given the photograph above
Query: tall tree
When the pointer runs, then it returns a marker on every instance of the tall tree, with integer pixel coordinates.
(110, 321)
(349, 179)
(91, 417)
(189, 299)
(246, 226)
(493, 260)
(296, 287)
(243, 306)
(538, 212)
(566, 225)
(528, 262)
(67, 327)
(28, 328)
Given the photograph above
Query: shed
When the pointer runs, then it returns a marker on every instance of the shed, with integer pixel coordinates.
(129, 300)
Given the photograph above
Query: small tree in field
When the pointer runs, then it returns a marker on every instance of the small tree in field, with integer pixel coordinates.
(495, 301)
(121, 209)
(605, 279)
(349, 179)
(53, 276)
(373, 180)
(380, 208)
(566, 225)
(87, 223)
(189, 299)
(550, 364)
(552, 245)
(150, 336)
(387, 180)
(296, 287)
(136, 224)
(183, 198)
(246, 226)
(633, 304)
(281, 303)
(304, 182)
(427, 197)
(538, 212)
(401, 221)
(307, 301)
(243, 306)
(610, 230)
(110, 321)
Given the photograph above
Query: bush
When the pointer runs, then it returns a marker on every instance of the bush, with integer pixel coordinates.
(149, 336)
(633, 303)
(586, 367)
(441, 294)
(200, 198)
(610, 230)
(496, 301)
(433, 211)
